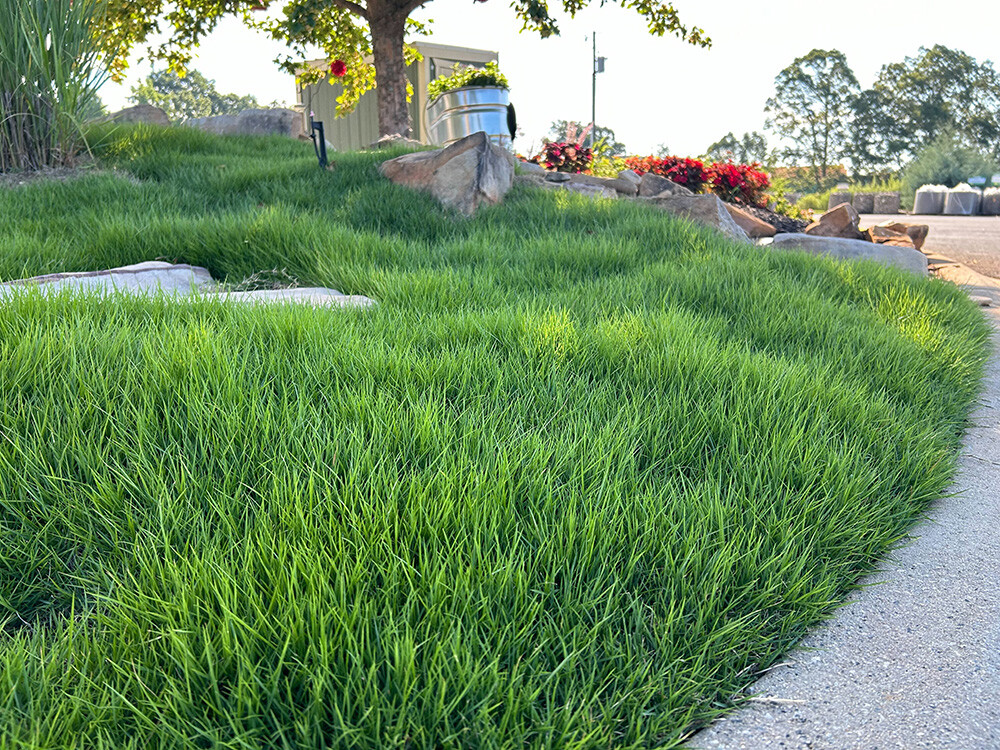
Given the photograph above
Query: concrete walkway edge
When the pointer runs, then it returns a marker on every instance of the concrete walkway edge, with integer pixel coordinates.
(913, 662)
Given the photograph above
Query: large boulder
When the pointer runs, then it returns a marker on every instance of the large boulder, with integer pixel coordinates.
(651, 185)
(905, 258)
(704, 209)
(465, 175)
(840, 221)
(143, 113)
(276, 121)
(754, 227)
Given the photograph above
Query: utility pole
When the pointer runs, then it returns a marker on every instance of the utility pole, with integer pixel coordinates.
(593, 89)
(597, 67)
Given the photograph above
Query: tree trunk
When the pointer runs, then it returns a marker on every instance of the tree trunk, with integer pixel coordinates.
(387, 23)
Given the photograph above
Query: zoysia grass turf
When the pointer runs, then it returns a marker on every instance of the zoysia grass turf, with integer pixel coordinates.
(581, 473)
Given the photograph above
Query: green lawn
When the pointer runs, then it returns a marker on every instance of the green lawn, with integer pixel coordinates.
(581, 473)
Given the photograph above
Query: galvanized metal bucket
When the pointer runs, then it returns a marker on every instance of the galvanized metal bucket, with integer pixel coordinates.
(456, 114)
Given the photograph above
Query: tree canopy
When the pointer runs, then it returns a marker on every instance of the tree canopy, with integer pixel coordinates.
(810, 109)
(191, 95)
(750, 148)
(942, 89)
(365, 36)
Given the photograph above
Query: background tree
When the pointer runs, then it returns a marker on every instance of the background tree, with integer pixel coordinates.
(189, 96)
(942, 89)
(876, 142)
(350, 31)
(811, 109)
(565, 130)
(749, 148)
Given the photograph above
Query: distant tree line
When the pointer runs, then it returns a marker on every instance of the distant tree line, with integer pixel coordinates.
(940, 96)
(187, 96)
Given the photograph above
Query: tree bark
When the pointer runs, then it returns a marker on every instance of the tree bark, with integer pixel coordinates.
(387, 22)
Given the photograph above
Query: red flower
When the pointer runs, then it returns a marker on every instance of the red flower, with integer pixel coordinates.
(338, 68)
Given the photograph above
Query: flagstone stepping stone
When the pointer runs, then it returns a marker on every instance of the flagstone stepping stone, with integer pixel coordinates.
(178, 280)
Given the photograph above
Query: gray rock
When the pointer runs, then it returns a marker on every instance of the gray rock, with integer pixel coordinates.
(631, 176)
(704, 209)
(612, 183)
(316, 296)
(557, 177)
(529, 167)
(391, 141)
(905, 258)
(276, 121)
(591, 191)
(653, 184)
(464, 175)
(144, 113)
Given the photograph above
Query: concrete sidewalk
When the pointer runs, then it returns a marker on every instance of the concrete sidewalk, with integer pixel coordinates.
(913, 661)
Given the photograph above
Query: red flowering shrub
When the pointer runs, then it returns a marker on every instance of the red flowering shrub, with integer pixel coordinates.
(687, 172)
(564, 157)
(738, 183)
(734, 183)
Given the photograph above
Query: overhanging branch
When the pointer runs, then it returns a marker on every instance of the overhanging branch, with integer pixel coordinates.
(352, 7)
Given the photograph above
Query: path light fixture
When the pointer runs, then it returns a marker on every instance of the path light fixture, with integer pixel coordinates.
(318, 139)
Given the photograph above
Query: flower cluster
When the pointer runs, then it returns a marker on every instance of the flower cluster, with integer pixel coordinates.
(734, 183)
(739, 183)
(560, 156)
(338, 68)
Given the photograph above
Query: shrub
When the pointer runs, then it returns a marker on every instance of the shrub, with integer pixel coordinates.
(945, 161)
(738, 183)
(489, 75)
(50, 69)
(560, 156)
(687, 172)
(735, 183)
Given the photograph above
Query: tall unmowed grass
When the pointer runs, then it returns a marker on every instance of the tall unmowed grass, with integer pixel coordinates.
(50, 69)
(579, 476)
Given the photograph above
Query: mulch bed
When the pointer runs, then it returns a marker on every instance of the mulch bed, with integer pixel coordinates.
(784, 224)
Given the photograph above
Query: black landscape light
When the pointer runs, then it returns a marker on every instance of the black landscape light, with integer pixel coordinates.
(319, 140)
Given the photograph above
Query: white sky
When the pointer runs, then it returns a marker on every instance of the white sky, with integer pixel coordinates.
(655, 90)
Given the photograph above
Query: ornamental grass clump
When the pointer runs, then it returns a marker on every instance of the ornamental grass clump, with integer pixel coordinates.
(50, 69)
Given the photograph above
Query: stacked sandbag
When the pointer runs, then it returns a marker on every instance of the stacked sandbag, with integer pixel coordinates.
(991, 202)
(930, 199)
(886, 203)
(962, 200)
(836, 199)
(864, 203)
